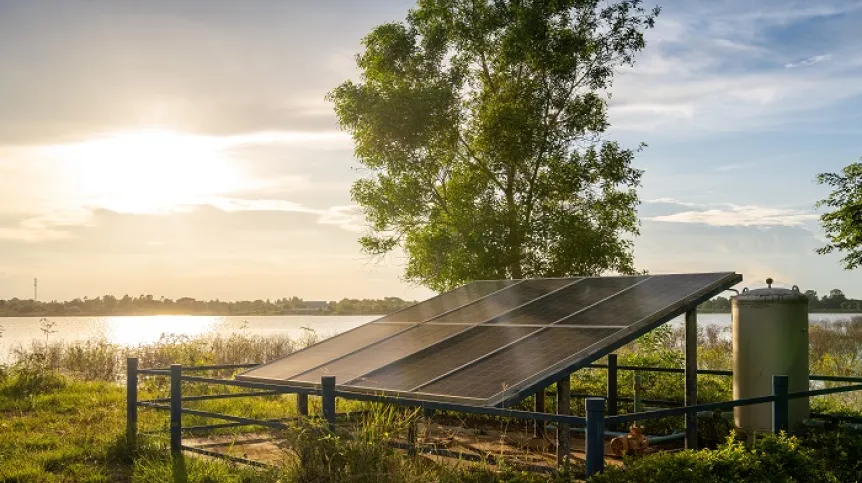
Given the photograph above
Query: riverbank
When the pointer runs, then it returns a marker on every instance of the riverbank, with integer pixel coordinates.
(185, 313)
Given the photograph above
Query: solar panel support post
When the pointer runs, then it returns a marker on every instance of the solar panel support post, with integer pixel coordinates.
(302, 404)
(327, 384)
(595, 444)
(613, 392)
(131, 402)
(539, 427)
(780, 406)
(638, 399)
(564, 433)
(411, 437)
(176, 409)
(691, 378)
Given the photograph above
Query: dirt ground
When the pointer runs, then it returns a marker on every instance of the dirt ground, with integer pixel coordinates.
(516, 446)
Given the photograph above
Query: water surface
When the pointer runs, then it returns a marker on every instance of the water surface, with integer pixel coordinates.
(132, 331)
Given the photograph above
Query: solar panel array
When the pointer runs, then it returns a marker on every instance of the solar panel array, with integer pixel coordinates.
(495, 342)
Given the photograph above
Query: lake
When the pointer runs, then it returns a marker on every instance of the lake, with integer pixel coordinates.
(136, 330)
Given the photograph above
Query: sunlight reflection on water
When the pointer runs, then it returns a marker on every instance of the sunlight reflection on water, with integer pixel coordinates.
(132, 331)
(137, 330)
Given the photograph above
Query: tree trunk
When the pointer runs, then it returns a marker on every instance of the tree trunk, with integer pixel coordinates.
(515, 269)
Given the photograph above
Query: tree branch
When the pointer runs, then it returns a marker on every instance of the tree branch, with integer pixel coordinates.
(480, 164)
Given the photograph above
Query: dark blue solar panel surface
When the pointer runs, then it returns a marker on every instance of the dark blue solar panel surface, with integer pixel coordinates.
(491, 342)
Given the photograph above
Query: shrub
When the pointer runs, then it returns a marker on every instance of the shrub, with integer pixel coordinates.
(840, 449)
(778, 459)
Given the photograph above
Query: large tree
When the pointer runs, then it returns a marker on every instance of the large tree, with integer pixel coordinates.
(480, 123)
(843, 224)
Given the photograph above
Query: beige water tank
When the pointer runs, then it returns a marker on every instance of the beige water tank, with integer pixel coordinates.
(770, 337)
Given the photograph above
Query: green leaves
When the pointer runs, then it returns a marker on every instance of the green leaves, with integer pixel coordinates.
(480, 123)
(843, 224)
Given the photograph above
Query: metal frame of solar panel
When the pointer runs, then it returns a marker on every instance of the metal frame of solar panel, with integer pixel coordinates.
(495, 342)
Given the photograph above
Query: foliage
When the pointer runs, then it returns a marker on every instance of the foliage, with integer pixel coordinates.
(843, 224)
(149, 305)
(841, 449)
(74, 433)
(98, 360)
(480, 125)
(360, 454)
(778, 459)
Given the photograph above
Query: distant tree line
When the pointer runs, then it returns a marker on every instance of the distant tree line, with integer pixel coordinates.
(149, 305)
(836, 301)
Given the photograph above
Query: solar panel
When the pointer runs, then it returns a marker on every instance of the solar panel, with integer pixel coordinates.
(381, 353)
(425, 365)
(501, 302)
(497, 372)
(496, 342)
(448, 301)
(563, 302)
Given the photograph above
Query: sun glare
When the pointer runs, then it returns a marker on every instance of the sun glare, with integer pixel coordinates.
(148, 171)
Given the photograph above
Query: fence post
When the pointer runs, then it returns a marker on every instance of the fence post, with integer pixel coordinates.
(613, 391)
(176, 409)
(327, 384)
(302, 404)
(131, 402)
(595, 444)
(691, 378)
(564, 431)
(638, 393)
(411, 437)
(539, 407)
(780, 406)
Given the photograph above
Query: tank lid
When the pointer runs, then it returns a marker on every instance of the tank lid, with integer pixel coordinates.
(772, 294)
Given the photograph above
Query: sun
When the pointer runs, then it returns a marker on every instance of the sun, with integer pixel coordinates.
(148, 171)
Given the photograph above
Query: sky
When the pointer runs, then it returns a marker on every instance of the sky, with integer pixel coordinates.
(186, 148)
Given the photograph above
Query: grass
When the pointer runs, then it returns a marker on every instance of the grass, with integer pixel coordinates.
(62, 411)
(68, 432)
(55, 429)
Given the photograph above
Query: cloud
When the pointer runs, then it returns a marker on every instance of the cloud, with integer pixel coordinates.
(738, 215)
(349, 217)
(785, 253)
(670, 201)
(810, 61)
(693, 81)
(728, 167)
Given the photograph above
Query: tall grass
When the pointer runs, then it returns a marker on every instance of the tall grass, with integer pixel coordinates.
(99, 360)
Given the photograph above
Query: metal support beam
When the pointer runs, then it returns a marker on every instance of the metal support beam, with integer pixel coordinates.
(595, 444)
(539, 407)
(613, 390)
(131, 402)
(411, 437)
(176, 409)
(302, 404)
(327, 384)
(638, 392)
(564, 433)
(780, 406)
(691, 378)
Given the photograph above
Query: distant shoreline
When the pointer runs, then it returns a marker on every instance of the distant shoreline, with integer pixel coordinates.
(186, 314)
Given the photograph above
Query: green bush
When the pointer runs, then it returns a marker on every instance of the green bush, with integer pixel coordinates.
(772, 459)
(840, 449)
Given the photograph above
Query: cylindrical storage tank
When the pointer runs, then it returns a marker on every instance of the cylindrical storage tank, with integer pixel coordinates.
(770, 337)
